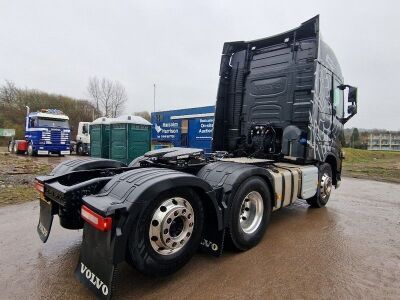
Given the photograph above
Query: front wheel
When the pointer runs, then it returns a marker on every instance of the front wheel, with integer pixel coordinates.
(10, 147)
(167, 233)
(31, 152)
(324, 188)
(250, 213)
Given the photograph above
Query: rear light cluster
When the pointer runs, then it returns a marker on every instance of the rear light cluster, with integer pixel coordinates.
(39, 187)
(99, 222)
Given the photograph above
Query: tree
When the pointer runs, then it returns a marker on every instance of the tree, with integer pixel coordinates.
(342, 138)
(8, 93)
(108, 96)
(144, 114)
(355, 139)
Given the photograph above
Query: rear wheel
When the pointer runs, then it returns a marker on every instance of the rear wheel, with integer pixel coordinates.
(324, 188)
(30, 150)
(79, 149)
(167, 233)
(250, 213)
(10, 147)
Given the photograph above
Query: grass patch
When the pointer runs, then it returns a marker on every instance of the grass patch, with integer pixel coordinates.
(17, 194)
(375, 165)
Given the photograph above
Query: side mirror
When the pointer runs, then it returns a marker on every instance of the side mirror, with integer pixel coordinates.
(350, 102)
(352, 97)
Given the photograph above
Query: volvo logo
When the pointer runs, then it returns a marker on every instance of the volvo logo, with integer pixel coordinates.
(94, 279)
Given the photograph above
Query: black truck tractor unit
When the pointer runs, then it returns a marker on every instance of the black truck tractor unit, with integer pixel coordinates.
(280, 109)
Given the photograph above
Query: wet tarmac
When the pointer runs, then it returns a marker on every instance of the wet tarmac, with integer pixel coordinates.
(350, 249)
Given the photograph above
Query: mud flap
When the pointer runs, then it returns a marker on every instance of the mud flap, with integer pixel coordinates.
(213, 242)
(96, 269)
(45, 219)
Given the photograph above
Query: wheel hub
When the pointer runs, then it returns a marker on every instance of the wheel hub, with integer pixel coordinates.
(326, 186)
(171, 226)
(251, 212)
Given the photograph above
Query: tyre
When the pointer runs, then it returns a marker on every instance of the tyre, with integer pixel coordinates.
(79, 149)
(324, 188)
(30, 150)
(250, 213)
(15, 148)
(10, 147)
(167, 233)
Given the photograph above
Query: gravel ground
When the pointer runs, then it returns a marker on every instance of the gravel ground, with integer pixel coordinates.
(348, 250)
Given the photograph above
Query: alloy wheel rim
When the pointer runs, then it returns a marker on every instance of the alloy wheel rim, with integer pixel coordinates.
(325, 186)
(251, 212)
(171, 226)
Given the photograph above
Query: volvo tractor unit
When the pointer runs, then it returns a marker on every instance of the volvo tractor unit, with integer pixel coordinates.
(280, 110)
(46, 132)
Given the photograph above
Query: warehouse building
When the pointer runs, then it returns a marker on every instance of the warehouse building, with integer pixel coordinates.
(384, 141)
(189, 127)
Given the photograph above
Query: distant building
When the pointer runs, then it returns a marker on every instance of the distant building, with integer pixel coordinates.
(189, 127)
(384, 141)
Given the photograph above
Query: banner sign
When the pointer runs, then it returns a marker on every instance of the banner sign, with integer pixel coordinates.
(7, 132)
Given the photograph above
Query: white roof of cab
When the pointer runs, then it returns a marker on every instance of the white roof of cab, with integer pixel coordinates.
(130, 119)
(51, 116)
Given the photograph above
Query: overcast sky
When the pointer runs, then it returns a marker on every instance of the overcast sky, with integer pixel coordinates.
(55, 46)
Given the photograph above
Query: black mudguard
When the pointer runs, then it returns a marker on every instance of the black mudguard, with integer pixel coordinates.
(226, 178)
(123, 198)
(48, 207)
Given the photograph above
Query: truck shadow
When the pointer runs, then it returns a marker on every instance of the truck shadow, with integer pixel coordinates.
(289, 228)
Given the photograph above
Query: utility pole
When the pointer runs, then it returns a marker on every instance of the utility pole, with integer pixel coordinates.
(154, 97)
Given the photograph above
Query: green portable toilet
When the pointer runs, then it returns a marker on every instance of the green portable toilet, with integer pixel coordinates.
(130, 137)
(100, 138)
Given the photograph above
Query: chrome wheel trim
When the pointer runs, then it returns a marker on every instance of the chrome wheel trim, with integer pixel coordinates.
(171, 226)
(325, 186)
(15, 148)
(251, 212)
(30, 149)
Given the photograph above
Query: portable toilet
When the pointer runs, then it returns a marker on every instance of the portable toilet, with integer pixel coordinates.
(100, 138)
(130, 137)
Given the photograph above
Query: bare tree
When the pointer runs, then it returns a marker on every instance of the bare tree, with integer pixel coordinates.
(144, 114)
(119, 99)
(8, 93)
(108, 96)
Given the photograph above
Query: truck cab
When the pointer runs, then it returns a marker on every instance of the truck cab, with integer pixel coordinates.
(283, 98)
(47, 132)
(82, 146)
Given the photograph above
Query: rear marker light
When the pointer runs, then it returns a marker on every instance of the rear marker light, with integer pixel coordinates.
(99, 222)
(39, 187)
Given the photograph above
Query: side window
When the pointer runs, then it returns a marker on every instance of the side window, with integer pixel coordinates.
(338, 99)
(32, 123)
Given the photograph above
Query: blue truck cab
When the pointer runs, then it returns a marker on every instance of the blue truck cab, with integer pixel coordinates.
(47, 132)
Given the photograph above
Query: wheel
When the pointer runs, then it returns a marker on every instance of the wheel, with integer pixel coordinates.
(79, 149)
(10, 147)
(30, 150)
(167, 233)
(250, 213)
(15, 148)
(324, 189)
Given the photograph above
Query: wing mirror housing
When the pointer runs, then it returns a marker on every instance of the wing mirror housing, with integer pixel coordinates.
(350, 102)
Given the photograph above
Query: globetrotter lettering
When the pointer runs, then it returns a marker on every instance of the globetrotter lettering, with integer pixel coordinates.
(94, 279)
